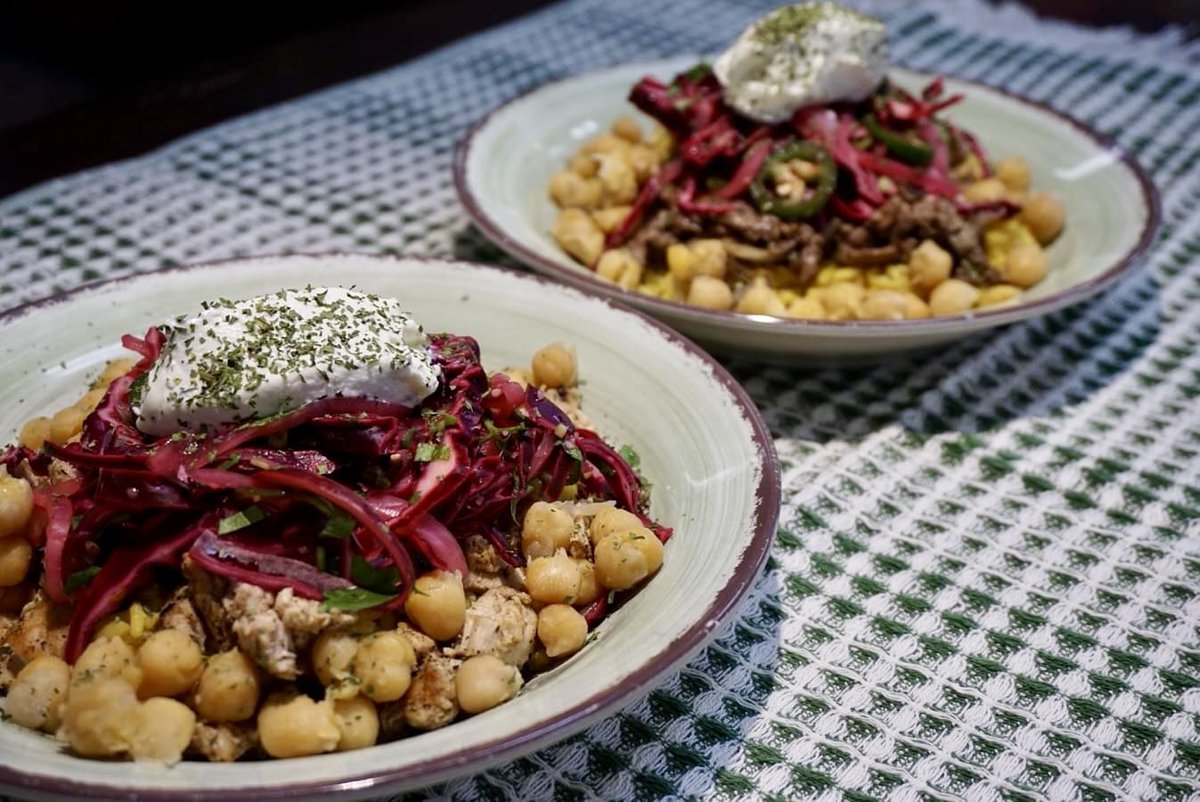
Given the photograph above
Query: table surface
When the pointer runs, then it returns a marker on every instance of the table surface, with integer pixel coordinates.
(986, 582)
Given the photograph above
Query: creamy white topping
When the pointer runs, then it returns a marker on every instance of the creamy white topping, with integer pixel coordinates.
(239, 360)
(802, 55)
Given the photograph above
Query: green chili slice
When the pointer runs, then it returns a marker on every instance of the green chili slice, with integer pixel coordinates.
(902, 147)
(817, 190)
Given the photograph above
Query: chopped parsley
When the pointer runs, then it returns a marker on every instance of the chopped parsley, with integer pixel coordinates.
(240, 520)
(79, 579)
(629, 455)
(353, 599)
(378, 580)
(431, 452)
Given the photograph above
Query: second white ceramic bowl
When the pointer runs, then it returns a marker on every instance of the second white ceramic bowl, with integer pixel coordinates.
(503, 167)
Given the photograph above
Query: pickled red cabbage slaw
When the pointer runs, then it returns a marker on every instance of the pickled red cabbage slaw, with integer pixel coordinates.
(342, 500)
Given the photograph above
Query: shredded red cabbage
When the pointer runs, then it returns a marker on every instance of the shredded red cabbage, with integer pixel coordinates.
(721, 150)
(299, 499)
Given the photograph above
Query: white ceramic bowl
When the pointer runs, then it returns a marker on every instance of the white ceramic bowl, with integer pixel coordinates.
(503, 167)
(701, 441)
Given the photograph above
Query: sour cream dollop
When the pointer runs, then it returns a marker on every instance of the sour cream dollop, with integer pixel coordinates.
(240, 360)
(802, 55)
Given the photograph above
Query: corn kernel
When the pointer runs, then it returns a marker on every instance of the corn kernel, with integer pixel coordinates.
(997, 294)
(892, 277)
(680, 261)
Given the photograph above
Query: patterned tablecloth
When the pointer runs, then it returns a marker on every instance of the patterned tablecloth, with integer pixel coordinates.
(986, 582)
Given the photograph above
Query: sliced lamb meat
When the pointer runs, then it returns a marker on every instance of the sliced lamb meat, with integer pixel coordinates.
(898, 226)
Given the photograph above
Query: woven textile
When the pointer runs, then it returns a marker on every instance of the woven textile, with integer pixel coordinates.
(986, 583)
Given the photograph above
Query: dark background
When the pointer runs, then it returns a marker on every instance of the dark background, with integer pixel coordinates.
(83, 83)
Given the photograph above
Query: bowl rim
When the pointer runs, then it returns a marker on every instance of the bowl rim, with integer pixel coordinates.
(587, 280)
(720, 610)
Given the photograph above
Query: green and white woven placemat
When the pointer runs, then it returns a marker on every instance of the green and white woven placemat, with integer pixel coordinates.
(986, 584)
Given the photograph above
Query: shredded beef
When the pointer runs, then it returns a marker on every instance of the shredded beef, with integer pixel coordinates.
(898, 226)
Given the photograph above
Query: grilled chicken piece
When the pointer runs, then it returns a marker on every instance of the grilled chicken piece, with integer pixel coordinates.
(501, 622)
(431, 700)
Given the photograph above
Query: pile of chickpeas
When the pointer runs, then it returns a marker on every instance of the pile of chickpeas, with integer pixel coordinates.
(140, 690)
(601, 180)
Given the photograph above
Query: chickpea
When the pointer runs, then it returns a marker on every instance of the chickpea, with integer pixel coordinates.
(571, 190)
(36, 694)
(332, 657)
(625, 559)
(384, 663)
(165, 728)
(554, 366)
(171, 663)
(843, 300)
(578, 235)
(930, 265)
(807, 307)
(760, 299)
(610, 217)
(65, 424)
(1013, 172)
(100, 718)
(628, 129)
(679, 261)
(484, 681)
(561, 629)
(885, 305)
(916, 309)
(545, 530)
(952, 297)
(612, 520)
(358, 723)
(617, 178)
(16, 505)
(711, 258)
(228, 689)
(1044, 215)
(553, 580)
(35, 433)
(620, 267)
(1025, 265)
(115, 369)
(997, 294)
(710, 292)
(644, 162)
(107, 658)
(437, 604)
(295, 726)
(604, 143)
(89, 400)
(985, 190)
(583, 165)
(589, 586)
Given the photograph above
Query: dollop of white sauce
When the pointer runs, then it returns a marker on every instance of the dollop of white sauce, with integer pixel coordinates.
(802, 55)
(240, 360)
